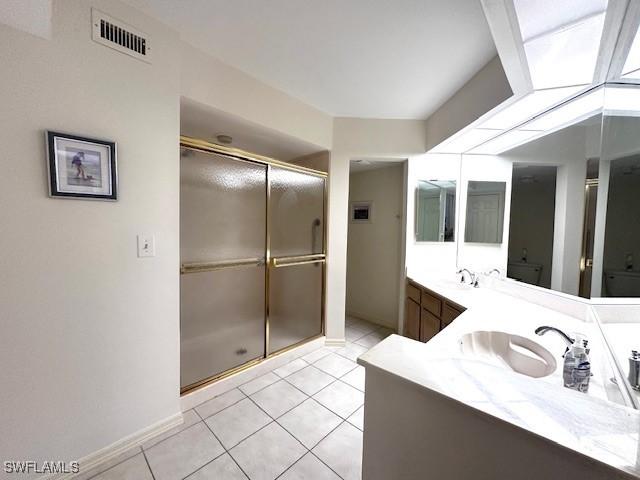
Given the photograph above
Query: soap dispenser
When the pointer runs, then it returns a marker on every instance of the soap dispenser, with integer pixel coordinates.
(577, 367)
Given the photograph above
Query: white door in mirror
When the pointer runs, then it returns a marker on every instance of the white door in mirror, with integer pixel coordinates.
(146, 245)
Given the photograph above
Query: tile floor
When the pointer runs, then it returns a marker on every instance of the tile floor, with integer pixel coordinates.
(302, 421)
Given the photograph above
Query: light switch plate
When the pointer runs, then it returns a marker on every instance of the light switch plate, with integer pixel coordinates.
(146, 245)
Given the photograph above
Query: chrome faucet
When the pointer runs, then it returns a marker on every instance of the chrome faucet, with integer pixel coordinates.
(544, 329)
(473, 278)
(488, 274)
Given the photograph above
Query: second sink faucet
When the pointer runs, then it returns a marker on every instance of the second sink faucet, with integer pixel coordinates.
(473, 277)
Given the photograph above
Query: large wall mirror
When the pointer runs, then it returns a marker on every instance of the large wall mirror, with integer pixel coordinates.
(553, 202)
(485, 212)
(435, 211)
(616, 248)
(572, 200)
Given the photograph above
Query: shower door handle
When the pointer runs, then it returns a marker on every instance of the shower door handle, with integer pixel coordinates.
(196, 267)
(278, 262)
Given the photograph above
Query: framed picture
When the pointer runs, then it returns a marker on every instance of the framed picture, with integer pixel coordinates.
(81, 167)
(361, 212)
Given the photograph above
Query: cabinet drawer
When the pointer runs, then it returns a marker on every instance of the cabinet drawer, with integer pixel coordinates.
(413, 292)
(412, 320)
(449, 314)
(431, 303)
(429, 325)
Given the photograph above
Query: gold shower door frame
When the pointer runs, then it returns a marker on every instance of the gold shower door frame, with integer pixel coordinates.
(271, 262)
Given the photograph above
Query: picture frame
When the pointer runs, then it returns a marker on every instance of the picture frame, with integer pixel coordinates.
(361, 212)
(81, 167)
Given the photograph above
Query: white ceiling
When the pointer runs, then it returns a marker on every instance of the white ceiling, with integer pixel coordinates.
(348, 58)
(366, 164)
(203, 122)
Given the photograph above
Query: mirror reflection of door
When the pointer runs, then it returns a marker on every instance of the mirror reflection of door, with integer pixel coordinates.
(485, 212)
(621, 266)
(531, 224)
(435, 211)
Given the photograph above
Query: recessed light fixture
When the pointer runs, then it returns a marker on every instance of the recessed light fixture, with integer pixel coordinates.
(224, 139)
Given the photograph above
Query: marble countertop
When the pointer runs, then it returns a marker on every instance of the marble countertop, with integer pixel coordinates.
(597, 424)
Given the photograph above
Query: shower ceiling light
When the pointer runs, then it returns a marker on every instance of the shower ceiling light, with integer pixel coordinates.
(224, 139)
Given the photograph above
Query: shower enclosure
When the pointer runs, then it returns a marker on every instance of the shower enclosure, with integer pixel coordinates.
(252, 251)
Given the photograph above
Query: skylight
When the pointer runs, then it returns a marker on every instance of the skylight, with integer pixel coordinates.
(632, 63)
(567, 56)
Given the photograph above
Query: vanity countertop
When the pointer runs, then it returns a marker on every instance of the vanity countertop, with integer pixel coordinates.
(597, 425)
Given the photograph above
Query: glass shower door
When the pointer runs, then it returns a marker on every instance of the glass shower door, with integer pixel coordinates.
(296, 246)
(222, 249)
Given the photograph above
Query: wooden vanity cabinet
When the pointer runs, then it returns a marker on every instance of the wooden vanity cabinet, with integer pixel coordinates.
(427, 313)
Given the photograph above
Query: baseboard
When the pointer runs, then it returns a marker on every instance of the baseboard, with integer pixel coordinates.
(371, 319)
(335, 342)
(110, 452)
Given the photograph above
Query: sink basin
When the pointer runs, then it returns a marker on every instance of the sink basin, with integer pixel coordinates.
(514, 352)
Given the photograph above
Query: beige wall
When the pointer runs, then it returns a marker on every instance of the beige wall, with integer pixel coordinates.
(317, 161)
(355, 138)
(90, 332)
(230, 90)
(373, 255)
(487, 89)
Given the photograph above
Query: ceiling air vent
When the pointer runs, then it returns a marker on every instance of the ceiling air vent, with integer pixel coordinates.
(121, 37)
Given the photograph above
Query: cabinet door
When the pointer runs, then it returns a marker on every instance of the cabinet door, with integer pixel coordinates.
(449, 314)
(412, 320)
(429, 325)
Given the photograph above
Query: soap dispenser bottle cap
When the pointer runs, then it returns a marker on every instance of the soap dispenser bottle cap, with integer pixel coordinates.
(579, 344)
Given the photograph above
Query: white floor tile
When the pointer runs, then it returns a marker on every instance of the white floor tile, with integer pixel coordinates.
(372, 339)
(335, 365)
(234, 424)
(342, 451)
(86, 474)
(355, 378)
(222, 468)
(268, 453)
(351, 351)
(340, 398)
(357, 419)
(367, 327)
(309, 468)
(135, 468)
(278, 398)
(309, 422)
(354, 333)
(316, 355)
(259, 383)
(291, 367)
(213, 406)
(310, 380)
(182, 454)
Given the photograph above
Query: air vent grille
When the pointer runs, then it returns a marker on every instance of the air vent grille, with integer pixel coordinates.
(120, 36)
